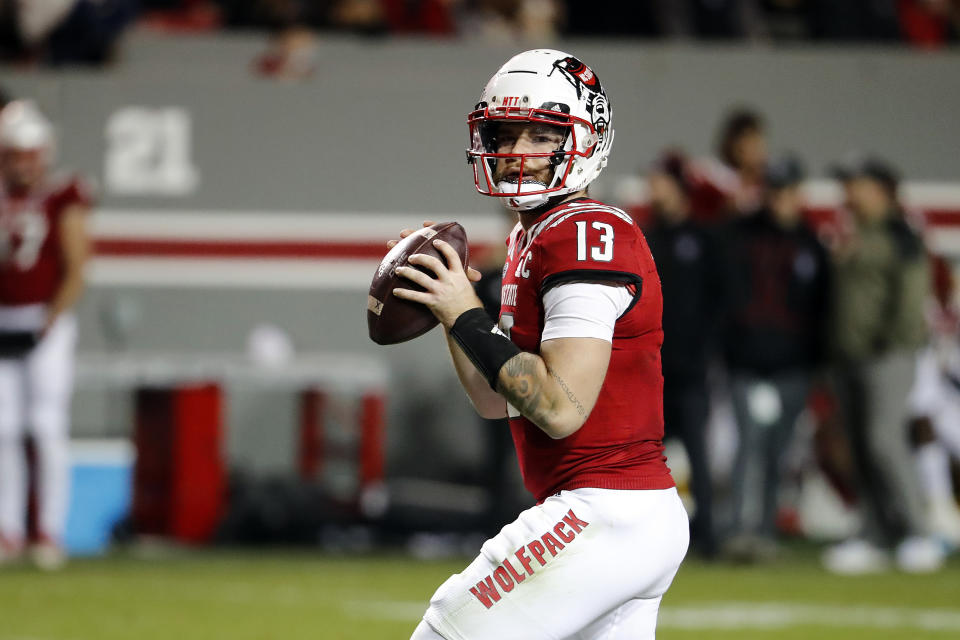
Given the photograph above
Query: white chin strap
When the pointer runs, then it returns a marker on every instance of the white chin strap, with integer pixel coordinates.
(524, 202)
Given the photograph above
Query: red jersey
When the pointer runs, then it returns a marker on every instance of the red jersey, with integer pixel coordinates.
(620, 445)
(31, 262)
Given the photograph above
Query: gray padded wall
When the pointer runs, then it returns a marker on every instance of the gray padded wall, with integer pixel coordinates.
(381, 128)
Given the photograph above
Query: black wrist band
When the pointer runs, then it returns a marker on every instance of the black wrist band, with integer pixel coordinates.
(483, 342)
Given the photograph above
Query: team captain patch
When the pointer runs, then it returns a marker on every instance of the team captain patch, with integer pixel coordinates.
(506, 576)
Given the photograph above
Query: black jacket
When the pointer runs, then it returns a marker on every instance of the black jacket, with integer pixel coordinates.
(690, 274)
(778, 289)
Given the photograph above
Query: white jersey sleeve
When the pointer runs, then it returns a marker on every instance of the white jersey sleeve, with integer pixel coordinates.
(583, 310)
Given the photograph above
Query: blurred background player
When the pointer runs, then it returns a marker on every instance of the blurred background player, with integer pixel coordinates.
(690, 272)
(882, 283)
(574, 365)
(731, 184)
(935, 408)
(43, 249)
(778, 291)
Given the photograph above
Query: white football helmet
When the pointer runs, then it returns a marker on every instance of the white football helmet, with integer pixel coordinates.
(551, 87)
(24, 127)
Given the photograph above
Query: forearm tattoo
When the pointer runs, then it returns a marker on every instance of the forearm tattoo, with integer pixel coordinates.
(572, 398)
(518, 383)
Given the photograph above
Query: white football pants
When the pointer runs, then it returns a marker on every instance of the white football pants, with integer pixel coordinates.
(35, 394)
(587, 564)
(934, 396)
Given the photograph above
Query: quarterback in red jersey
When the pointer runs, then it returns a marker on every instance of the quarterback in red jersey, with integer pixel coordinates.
(43, 249)
(574, 362)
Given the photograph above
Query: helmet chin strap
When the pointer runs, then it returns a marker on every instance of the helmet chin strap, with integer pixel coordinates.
(523, 202)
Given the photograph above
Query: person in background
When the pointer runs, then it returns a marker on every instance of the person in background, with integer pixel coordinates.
(180, 16)
(878, 326)
(686, 256)
(854, 20)
(506, 21)
(935, 407)
(929, 24)
(732, 183)
(59, 32)
(43, 250)
(777, 281)
(11, 44)
(711, 19)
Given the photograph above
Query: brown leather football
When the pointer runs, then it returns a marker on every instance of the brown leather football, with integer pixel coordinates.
(391, 319)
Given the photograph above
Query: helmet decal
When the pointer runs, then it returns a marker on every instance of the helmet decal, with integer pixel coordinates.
(599, 108)
(585, 81)
(578, 74)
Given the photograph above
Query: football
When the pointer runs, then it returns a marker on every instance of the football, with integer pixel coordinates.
(390, 319)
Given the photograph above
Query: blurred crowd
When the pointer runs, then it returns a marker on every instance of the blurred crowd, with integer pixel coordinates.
(88, 31)
(842, 316)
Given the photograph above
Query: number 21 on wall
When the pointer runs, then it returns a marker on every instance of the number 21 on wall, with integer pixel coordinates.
(149, 152)
(600, 253)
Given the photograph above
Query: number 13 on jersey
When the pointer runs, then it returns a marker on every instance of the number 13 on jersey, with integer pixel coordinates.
(602, 252)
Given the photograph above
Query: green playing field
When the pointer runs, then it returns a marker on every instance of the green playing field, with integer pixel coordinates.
(292, 595)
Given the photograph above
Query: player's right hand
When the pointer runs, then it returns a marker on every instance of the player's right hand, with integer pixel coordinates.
(472, 274)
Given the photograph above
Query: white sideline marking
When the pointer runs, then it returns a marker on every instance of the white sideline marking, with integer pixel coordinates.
(779, 615)
(737, 615)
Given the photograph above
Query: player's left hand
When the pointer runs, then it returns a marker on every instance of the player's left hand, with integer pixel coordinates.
(472, 273)
(449, 293)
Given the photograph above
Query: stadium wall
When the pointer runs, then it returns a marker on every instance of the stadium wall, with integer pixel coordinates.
(229, 200)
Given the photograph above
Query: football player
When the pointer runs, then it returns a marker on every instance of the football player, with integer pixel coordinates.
(43, 248)
(574, 363)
